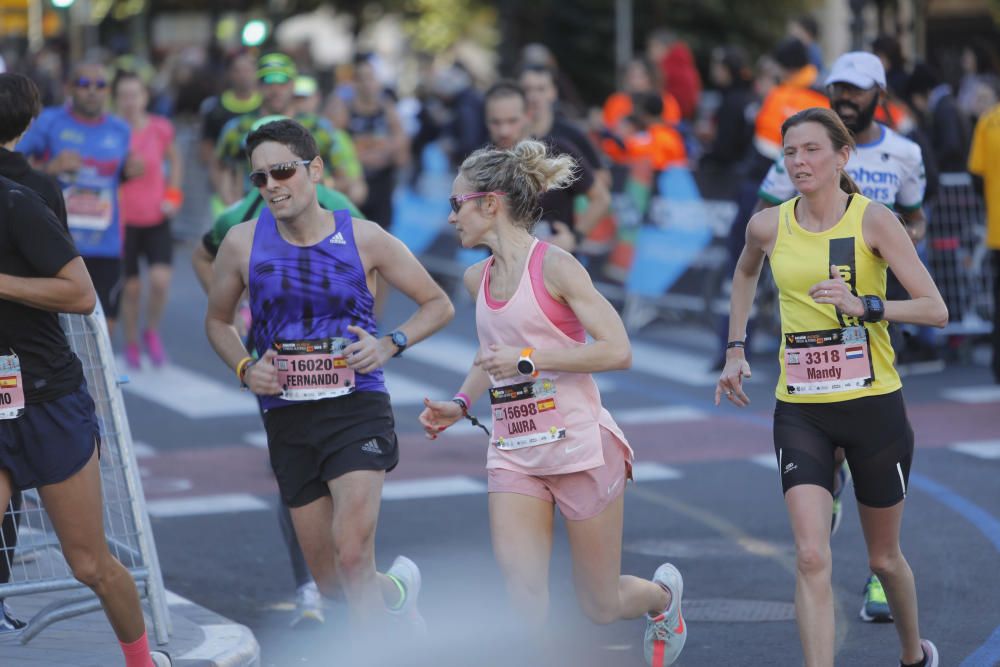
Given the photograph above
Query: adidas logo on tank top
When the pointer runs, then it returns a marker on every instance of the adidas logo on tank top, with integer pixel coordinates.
(338, 239)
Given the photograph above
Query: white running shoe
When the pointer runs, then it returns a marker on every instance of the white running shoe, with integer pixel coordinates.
(160, 659)
(666, 632)
(407, 573)
(930, 650)
(308, 605)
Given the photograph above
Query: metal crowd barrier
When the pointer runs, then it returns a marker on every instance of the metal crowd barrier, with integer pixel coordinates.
(958, 256)
(36, 564)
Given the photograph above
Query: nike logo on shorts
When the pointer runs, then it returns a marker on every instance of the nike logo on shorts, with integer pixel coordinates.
(570, 450)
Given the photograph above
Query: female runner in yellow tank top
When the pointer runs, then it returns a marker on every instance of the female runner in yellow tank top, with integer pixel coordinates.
(829, 250)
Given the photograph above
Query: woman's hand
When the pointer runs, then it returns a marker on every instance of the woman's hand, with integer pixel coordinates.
(731, 381)
(438, 415)
(499, 361)
(836, 291)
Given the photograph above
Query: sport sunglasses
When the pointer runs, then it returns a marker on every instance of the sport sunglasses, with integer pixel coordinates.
(456, 201)
(279, 172)
(84, 82)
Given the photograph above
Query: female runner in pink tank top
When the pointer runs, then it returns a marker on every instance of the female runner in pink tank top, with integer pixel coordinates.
(552, 443)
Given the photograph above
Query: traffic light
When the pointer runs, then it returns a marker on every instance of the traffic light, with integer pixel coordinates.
(255, 32)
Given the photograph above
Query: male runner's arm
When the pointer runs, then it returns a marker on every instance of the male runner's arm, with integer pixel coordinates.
(569, 282)
(439, 415)
(383, 253)
(228, 283)
(760, 236)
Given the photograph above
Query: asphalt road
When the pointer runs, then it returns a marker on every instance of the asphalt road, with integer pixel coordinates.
(706, 497)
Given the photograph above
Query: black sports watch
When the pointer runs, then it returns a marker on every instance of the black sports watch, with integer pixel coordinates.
(400, 340)
(874, 308)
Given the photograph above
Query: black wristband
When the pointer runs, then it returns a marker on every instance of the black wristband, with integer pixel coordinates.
(736, 343)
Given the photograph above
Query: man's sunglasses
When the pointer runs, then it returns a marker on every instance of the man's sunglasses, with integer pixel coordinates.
(456, 201)
(84, 82)
(279, 172)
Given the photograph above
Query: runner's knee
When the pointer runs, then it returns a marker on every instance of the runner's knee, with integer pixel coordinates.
(812, 560)
(886, 564)
(601, 610)
(90, 567)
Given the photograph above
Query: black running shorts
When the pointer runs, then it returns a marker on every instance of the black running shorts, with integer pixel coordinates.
(106, 274)
(874, 432)
(312, 442)
(51, 441)
(154, 243)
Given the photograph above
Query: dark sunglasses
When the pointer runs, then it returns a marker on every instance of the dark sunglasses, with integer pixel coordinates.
(457, 200)
(279, 172)
(84, 82)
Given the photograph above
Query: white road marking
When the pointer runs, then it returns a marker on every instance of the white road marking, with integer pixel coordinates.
(671, 364)
(983, 449)
(143, 450)
(647, 471)
(657, 414)
(256, 439)
(229, 503)
(432, 487)
(983, 394)
(766, 460)
(189, 393)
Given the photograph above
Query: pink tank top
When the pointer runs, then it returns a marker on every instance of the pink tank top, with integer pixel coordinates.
(545, 425)
(558, 313)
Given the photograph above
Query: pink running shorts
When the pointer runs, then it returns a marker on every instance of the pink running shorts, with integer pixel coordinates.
(579, 495)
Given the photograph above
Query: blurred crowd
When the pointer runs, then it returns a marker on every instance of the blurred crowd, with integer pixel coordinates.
(376, 116)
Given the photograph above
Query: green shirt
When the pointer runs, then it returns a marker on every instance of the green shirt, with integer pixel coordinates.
(335, 146)
(249, 207)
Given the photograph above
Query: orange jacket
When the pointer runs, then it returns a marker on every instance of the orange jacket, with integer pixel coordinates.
(619, 105)
(785, 100)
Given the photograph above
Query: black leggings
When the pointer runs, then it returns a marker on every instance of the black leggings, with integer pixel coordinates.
(874, 432)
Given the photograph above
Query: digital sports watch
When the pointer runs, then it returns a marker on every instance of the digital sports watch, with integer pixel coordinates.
(525, 366)
(874, 308)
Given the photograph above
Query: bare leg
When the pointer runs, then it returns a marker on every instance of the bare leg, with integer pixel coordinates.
(605, 595)
(521, 531)
(74, 506)
(337, 536)
(131, 295)
(159, 288)
(809, 508)
(881, 529)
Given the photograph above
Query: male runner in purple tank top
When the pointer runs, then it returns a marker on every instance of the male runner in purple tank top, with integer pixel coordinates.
(317, 363)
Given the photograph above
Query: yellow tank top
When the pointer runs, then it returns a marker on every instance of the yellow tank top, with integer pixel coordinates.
(801, 259)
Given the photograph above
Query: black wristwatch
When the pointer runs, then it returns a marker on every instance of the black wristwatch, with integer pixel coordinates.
(874, 308)
(400, 340)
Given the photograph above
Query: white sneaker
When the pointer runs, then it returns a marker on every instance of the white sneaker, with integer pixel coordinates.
(930, 650)
(666, 632)
(408, 574)
(308, 605)
(160, 659)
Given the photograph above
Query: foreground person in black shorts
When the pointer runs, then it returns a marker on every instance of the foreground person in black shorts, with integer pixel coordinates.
(317, 364)
(49, 434)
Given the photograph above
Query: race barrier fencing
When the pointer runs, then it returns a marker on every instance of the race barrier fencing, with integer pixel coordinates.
(36, 564)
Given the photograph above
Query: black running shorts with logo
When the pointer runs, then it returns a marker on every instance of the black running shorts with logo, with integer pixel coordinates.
(312, 442)
(874, 432)
(51, 441)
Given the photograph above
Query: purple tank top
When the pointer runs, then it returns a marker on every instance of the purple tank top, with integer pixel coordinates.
(307, 293)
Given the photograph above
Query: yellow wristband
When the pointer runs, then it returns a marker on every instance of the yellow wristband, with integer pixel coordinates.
(241, 368)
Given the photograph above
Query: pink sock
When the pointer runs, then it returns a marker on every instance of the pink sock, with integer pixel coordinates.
(137, 653)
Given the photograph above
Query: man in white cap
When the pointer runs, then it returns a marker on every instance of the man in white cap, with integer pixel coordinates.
(889, 169)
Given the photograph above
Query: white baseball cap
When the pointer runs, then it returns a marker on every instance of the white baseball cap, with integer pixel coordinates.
(858, 68)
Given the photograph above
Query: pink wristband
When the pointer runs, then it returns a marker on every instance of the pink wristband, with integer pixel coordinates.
(464, 398)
